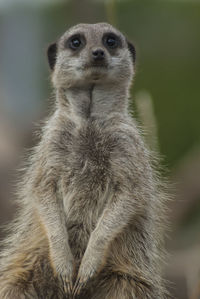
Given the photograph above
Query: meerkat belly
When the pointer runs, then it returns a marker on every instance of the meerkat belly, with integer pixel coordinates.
(87, 188)
(84, 206)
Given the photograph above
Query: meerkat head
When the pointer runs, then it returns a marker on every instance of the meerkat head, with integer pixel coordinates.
(90, 54)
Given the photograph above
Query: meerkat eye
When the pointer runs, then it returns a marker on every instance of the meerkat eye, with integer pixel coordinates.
(111, 41)
(75, 43)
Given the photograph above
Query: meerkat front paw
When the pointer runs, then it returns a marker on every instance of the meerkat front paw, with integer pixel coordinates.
(89, 267)
(65, 273)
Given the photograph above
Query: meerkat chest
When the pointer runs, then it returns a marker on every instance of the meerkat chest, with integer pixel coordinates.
(89, 157)
(86, 176)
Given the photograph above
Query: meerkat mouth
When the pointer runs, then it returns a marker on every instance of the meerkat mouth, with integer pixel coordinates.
(96, 72)
(98, 68)
(96, 65)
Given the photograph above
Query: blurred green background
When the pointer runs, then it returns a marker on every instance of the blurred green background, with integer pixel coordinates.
(165, 99)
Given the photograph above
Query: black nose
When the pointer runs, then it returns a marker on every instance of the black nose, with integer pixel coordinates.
(98, 54)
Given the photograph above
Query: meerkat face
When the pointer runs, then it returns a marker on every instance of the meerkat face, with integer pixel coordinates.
(91, 54)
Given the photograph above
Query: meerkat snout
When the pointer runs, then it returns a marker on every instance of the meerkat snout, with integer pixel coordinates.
(98, 55)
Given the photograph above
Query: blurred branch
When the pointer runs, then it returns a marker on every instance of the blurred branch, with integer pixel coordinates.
(186, 175)
(147, 117)
(196, 294)
(110, 6)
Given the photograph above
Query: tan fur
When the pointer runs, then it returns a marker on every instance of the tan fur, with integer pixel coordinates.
(91, 203)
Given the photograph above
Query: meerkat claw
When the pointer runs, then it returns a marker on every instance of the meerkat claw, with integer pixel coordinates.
(78, 286)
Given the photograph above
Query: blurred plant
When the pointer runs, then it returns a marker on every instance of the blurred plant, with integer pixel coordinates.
(110, 7)
(146, 115)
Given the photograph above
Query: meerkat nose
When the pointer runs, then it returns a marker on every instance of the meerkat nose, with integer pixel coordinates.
(98, 54)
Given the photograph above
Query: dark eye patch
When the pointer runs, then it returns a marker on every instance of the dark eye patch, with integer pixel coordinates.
(111, 41)
(75, 42)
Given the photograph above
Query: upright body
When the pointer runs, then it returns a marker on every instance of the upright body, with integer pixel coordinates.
(89, 224)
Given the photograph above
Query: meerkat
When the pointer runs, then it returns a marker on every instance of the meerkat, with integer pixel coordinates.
(90, 217)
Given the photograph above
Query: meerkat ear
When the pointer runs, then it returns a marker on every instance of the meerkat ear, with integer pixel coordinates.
(132, 50)
(51, 53)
